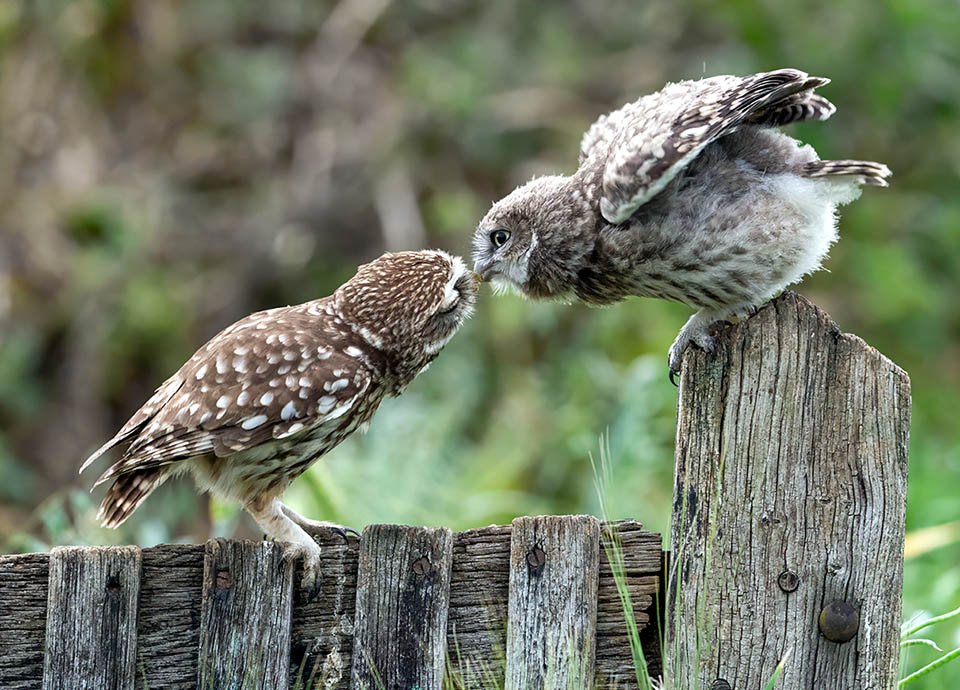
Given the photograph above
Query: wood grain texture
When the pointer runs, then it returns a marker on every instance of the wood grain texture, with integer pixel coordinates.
(246, 616)
(91, 633)
(403, 598)
(23, 620)
(477, 624)
(168, 629)
(552, 615)
(791, 456)
(321, 638)
(321, 652)
(642, 571)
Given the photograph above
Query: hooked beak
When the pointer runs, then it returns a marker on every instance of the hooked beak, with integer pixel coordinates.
(484, 270)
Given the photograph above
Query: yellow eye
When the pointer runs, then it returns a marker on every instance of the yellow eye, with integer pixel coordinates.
(499, 237)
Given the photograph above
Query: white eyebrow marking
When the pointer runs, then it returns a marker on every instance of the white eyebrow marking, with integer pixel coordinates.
(450, 294)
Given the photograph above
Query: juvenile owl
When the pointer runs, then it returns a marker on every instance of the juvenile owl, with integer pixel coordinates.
(269, 395)
(689, 194)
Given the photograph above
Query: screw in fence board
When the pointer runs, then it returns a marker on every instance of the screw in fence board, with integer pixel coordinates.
(321, 650)
(479, 591)
(403, 598)
(245, 616)
(790, 493)
(91, 633)
(552, 622)
(23, 620)
(168, 626)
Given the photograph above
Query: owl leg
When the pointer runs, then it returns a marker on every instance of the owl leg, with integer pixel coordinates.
(697, 331)
(318, 525)
(269, 514)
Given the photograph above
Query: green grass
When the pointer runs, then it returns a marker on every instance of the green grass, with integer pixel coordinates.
(907, 640)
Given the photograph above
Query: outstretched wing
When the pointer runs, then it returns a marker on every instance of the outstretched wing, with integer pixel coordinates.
(269, 376)
(646, 143)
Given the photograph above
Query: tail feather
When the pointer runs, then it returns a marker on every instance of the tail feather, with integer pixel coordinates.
(865, 172)
(127, 492)
(796, 108)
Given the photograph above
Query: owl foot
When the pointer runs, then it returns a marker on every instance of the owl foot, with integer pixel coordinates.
(696, 331)
(312, 574)
(274, 520)
(318, 526)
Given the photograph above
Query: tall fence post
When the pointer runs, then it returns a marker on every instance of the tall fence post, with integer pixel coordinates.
(789, 504)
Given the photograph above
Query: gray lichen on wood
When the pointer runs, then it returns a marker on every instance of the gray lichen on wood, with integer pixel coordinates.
(403, 598)
(791, 479)
(321, 652)
(552, 618)
(91, 635)
(246, 614)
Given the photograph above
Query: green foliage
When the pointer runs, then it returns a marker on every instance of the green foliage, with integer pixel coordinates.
(170, 167)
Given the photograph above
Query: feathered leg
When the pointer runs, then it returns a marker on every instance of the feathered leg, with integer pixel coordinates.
(270, 515)
(697, 331)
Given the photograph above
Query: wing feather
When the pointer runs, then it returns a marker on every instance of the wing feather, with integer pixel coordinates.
(647, 143)
(248, 386)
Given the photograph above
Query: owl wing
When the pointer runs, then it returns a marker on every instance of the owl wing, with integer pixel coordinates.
(269, 376)
(647, 143)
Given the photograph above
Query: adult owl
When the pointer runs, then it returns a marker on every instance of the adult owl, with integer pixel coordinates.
(268, 396)
(689, 194)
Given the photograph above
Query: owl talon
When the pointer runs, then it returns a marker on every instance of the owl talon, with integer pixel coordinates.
(336, 529)
(312, 579)
(695, 331)
(313, 527)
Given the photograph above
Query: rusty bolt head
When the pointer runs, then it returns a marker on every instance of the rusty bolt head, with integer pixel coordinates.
(720, 684)
(223, 579)
(421, 566)
(839, 621)
(788, 581)
(536, 557)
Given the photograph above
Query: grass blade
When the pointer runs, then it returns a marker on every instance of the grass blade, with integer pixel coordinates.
(931, 667)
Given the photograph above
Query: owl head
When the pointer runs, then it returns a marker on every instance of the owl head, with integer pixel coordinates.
(409, 305)
(534, 240)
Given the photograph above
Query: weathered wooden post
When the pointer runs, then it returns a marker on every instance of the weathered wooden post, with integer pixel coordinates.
(789, 503)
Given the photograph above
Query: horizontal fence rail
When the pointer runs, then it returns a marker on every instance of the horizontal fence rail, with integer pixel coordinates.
(401, 607)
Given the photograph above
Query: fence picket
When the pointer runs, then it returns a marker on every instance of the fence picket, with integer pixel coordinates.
(91, 633)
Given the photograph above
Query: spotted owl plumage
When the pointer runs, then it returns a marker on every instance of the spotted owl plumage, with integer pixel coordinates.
(689, 194)
(271, 394)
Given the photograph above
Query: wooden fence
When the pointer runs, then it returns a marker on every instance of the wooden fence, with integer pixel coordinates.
(403, 607)
(787, 534)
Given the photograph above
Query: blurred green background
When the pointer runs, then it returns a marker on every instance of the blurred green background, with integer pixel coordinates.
(168, 167)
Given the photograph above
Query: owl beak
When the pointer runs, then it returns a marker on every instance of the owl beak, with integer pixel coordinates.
(483, 270)
(479, 278)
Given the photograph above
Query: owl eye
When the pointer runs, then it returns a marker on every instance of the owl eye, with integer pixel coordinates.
(499, 237)
(452, 308)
